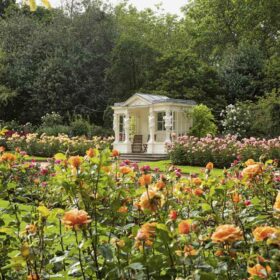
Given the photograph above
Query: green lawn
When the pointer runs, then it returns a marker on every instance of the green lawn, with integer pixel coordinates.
(164, 165)
(36, 158)
(51, 228)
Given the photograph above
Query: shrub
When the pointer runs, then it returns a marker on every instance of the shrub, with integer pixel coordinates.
(51, 119)
(48, 146)
(80, 126)
(189, 150)
(101, 131)
(236, 120)
(54, 130)
(203, 121)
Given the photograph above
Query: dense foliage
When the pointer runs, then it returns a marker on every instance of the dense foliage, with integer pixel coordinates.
(189, 150)
(95, 217)
(81, 59)
(203, 121)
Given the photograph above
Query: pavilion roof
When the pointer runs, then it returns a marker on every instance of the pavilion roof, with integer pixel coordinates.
(155, 99)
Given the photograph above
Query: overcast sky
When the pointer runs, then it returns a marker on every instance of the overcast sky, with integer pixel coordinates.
(171, 6)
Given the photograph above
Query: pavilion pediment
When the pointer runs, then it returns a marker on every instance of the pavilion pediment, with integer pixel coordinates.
(136, 101)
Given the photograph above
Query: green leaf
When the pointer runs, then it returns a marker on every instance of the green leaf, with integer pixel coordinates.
(162, 227)
(58, 259)
(60, 156)
(206, 207)
(255, 201)
(106, 252)
(136, 266)
(8, 231)
(44, 211)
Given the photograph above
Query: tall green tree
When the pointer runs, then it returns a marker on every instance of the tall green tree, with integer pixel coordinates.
(181, 74)
(241, 72)
(57, 65)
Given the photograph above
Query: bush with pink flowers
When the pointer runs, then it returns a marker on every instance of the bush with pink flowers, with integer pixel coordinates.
(189, 150)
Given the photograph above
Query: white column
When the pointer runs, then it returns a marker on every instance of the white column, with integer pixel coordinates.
(151, 131)
(116, 127)
(168, 126)
(127, 128)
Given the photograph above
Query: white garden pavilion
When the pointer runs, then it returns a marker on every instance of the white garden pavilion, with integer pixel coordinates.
(145, 123)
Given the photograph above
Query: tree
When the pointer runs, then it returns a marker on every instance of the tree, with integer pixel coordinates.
(57, 65)
(216, 25)
(130, 65)
(203, 121)
(241, 72)
(180, 74)
(4, 4)
(266, 112)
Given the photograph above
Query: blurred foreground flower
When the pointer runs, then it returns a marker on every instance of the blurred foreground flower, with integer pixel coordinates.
(259, 271)
(227, 233)
(76, 219)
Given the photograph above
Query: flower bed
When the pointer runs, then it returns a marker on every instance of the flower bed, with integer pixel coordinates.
(189, 150)
(95, 217)
(48, 146)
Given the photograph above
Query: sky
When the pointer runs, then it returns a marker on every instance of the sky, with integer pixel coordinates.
(171, 6)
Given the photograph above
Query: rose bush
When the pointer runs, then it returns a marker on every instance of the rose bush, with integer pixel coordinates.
(95, 217)
(44, 145)
(189, 150)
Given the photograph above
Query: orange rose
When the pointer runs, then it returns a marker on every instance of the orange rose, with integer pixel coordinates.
(125, 170)
(189, 251)
(236, 198)
(36, 181)
(184, 227)
(145, 179)
(137, 205)
(219, 253)
(150, 200)
(106, 169)
(31, 229)
(8, 157)
(227, 233)
(120, 243)
(123, 210)
(76, 218)
(146, 235)
(160, 185)
(262, 233)
(209, 166)
(250, 162)
(115, 153)
(252, 170)
(33, 277)
(90, 153)
(260, 271)
(198, 192)
(2, 149)
(197, 181)
(75, 161)
(276, 205)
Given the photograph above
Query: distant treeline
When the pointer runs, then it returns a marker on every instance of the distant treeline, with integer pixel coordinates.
(83, 58)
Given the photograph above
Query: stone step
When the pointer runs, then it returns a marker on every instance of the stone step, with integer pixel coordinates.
(143, 157)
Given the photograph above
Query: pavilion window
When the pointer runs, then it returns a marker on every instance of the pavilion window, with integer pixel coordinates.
(160, 121)
(173, 121)
(121, 127)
